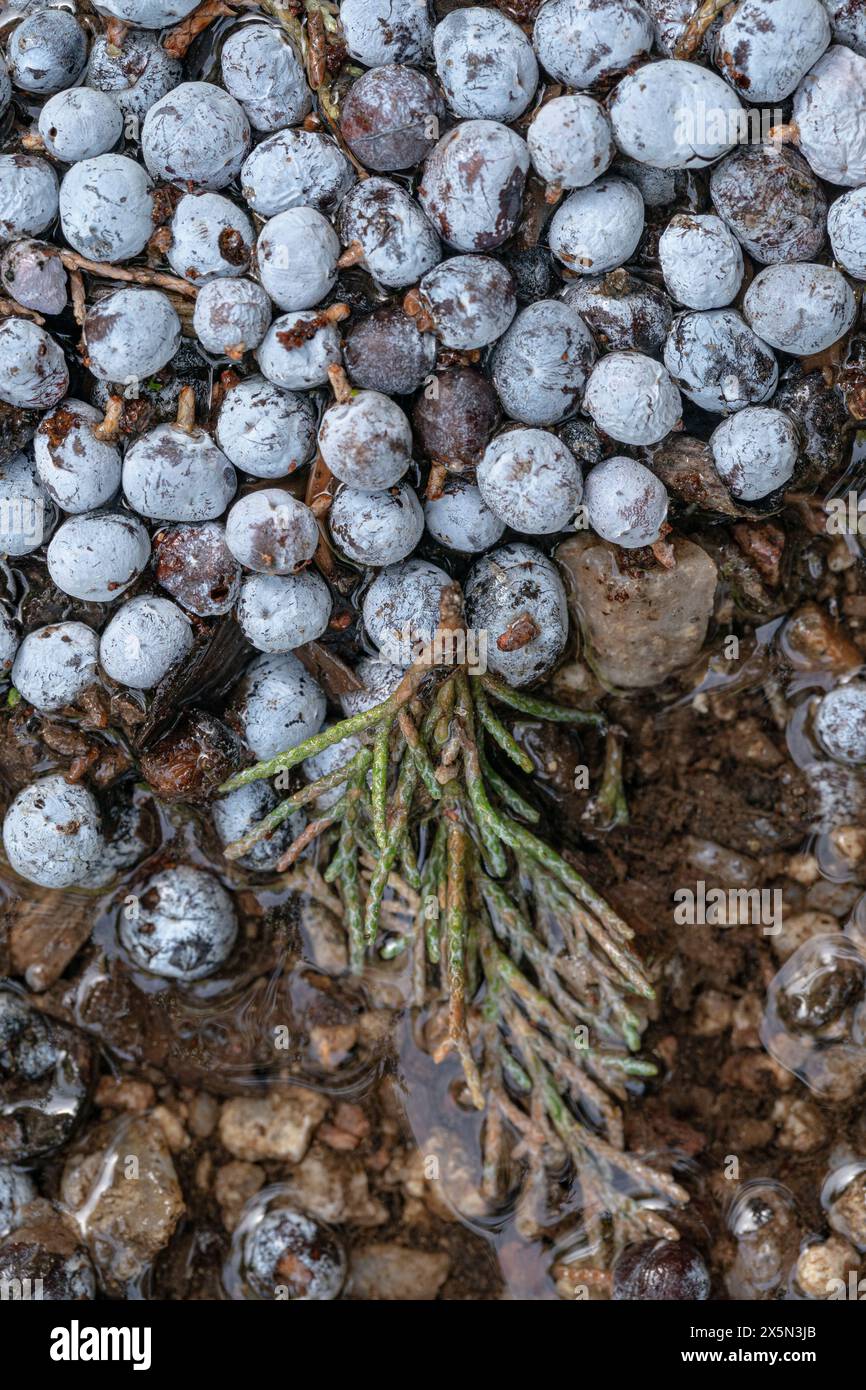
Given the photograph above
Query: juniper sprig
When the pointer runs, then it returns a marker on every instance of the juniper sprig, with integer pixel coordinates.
(542, 986)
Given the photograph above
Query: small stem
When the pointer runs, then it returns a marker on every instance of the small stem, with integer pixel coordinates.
(11, 309)
(353, 255)
(108, 428)
(700, 22)
(340, 384)
(177, 41)
(79, 296)
(414, 308)
(186, 410)
(436, 482)
(786, 133)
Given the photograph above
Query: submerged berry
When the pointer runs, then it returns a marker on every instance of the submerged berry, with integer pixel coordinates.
(106, 208)
(378, 679)
(840, 723)
(263, 71)
(45, 1067)
(297, 258)
(96, 556)
(772, 202)
(235, 814)
(28, 196)
(210, 237)
(197, 134)
(675, 115)
(461, 519)
(366, 441)
(718, 362)
(280, 1253)
(195, 566)
(182, 926)
(386, 232)
(332, 759)
(80, 123)
(130, 335)
(469, 301)
(764, 47)
(701, 261)
(135, 76)
(231, 316)
(570, 141)
(279, 705)
(33, 371)
(46, 52)
(401, 609)
(271, 532)
(661, 1270)
(293, 169)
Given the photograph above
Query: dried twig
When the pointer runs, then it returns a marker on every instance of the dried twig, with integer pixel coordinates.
(139, 275)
